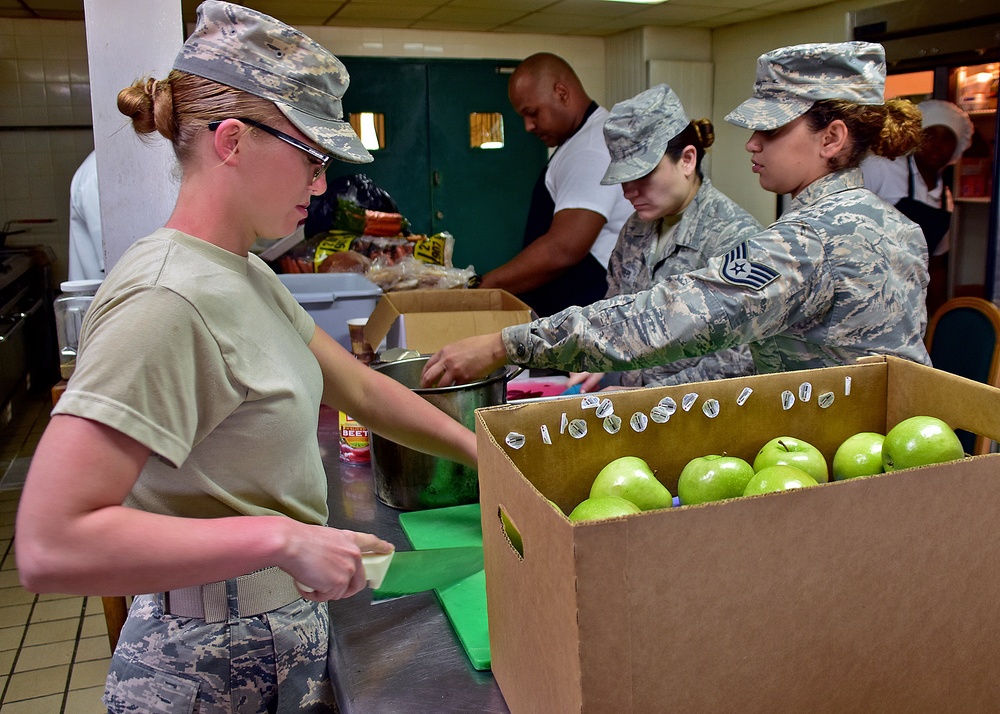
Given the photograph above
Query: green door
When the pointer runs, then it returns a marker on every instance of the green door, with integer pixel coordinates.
(438, 180)
(398, 90)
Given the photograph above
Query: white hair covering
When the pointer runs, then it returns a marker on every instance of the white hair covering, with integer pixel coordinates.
(938, 112)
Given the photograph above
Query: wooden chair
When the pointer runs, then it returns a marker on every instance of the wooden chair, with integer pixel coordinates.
(115, 608)
(115, 612)
(963, 337)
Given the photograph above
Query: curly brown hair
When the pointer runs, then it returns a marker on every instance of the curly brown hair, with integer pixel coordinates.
(890, 130)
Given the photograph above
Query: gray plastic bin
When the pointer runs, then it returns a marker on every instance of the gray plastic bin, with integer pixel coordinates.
(334, 298)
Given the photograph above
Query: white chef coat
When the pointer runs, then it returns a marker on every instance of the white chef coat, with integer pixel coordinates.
(86, 246)
(889, 179)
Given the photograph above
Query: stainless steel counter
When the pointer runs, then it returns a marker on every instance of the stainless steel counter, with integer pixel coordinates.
(397, 655)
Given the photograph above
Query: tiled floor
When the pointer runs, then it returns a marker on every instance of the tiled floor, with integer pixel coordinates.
(54, 650)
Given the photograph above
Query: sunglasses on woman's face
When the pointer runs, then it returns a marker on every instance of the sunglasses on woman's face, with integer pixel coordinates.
(320, 160)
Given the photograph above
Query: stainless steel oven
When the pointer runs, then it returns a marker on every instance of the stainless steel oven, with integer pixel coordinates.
(28, 359)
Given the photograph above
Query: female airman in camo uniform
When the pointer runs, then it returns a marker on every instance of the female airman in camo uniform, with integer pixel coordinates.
(839, 276)
(680, 221)
(182, 461)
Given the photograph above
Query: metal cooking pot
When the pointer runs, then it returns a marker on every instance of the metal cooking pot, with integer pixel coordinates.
(412, 480)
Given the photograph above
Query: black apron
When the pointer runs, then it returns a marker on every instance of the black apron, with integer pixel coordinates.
(584, 283)
(934, 222)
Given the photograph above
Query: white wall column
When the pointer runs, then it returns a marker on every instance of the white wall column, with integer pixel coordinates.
(126, 41)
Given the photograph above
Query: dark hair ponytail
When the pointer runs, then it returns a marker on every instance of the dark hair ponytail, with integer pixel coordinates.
(700, 134)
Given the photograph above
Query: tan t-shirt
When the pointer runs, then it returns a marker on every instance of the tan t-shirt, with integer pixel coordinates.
(202, 355)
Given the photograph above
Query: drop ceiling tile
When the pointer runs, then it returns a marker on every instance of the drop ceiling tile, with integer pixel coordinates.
(367, 22)
(776, 8)
(400, 3)
(522, 5)
(432, 25)
(474, 16)
(731, 18)
(294, 12)
(56, 5)
(687, 13)
(546, 16)
(551, 22)
(593, 7)
(390, 12)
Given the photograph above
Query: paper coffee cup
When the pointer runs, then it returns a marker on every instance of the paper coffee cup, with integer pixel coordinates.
(359, 345)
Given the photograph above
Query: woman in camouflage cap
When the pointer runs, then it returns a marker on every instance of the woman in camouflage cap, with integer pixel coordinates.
(839, 276)
(183, 460)
(680, 221)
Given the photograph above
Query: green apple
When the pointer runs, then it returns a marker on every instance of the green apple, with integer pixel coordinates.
(513, 534)
(858, 455)
(597, 508)
(920, 441)
(630, 477)
(778, 478)
(789, 451)
(713, 478)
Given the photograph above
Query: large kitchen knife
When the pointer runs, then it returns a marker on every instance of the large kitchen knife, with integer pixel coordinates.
(406, 572)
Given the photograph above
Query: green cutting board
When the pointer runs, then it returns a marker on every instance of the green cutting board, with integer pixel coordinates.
(464, 603)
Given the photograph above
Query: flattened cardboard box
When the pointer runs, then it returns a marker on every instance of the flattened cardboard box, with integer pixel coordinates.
(427, 320)
(874, 594)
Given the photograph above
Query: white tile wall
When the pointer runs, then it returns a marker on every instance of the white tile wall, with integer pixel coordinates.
(45, 127)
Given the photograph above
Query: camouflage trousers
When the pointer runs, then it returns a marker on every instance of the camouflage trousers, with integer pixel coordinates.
(275, 662)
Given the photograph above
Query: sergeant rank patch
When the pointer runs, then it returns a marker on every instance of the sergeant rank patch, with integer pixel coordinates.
(738, 270)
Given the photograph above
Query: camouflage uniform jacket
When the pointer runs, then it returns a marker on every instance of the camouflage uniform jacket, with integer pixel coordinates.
(841, 275)
(711, 225)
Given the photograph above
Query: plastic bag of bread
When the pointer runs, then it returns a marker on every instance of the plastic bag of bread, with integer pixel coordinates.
(435, 250)
(345, 261)
(344, 252)
(311, 256)
(412, 274)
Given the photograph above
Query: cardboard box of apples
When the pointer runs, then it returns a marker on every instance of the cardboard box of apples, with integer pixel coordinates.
(869, 593)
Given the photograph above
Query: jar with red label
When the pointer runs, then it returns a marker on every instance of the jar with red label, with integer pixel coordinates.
(354, 446)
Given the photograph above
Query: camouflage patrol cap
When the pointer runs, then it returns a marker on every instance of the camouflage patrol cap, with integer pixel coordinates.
(251, 51)
(791, 79)
(638, 130)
